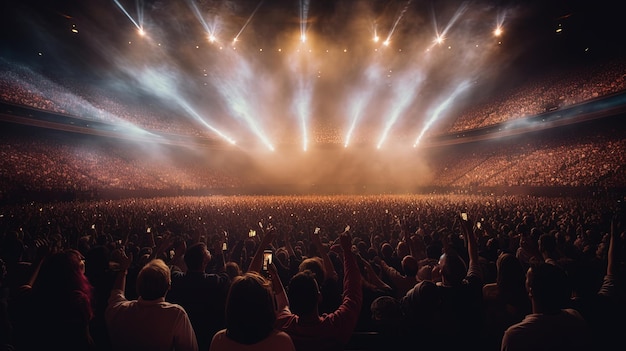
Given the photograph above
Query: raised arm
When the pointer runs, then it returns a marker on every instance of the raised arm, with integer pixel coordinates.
(257, 259)
(472, 249)
(282, 302)
(329, 268)
(124, 264)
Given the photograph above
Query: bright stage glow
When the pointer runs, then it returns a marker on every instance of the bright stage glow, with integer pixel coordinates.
(141, 32)
(254, 93)
(497, 32)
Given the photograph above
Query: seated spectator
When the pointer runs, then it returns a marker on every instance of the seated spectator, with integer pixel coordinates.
(550, 326)
(148, 323)
(250, 318)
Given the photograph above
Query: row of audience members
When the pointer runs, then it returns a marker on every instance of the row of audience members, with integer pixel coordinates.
(521, 273)
(562, 88)
(585, 159)
(62, 166)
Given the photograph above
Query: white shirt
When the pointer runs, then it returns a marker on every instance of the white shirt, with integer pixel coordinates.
(148, 325)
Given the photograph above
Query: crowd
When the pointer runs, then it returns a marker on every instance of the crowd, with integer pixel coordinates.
(347, 272)
(558, 159)
(42, 164)
(539, 94)
(535, 95)
(593, 157)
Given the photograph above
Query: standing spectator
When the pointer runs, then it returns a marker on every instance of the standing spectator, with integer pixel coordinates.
(459, 294)
(506, 300)
(56, 305)
(148, 323)
(550, 326)
(300, 317)
(250, 318)
(201, 294)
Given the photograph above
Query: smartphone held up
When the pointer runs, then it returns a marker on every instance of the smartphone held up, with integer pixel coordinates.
(267, 259)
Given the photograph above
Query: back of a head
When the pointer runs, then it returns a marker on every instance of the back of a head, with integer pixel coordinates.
(410, 266)
(453, 268)
(386, 250)
(153, 280)
(548, 286)
(303, 293)
(232, 269)
(510, 275)
(547, 243)
(195, 256)
(316, 266)
(61, 273)
(249, 309)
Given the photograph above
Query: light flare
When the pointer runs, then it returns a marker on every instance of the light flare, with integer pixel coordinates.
(441, 108)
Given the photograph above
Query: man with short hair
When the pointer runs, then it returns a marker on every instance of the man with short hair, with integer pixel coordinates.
(148, 323)
(551, 326)
(202, 294)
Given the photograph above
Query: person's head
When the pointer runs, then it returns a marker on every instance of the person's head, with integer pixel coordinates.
(386, 313)
(303, 294)
(60, 276)
(409, 266)
(510, 276)
(402, 249)
(197, 257)
(153, 280)
(249, 309)
(386, 250)
(453, 268)
(547, 243)
(316, 266)
(548, 287)
(233, 270)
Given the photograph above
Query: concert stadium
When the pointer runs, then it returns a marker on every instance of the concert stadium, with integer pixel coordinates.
(148, 126)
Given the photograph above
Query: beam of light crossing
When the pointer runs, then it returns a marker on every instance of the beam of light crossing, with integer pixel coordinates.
(235, 85)
(303, 108)
(139, 4)
(302, 69)
(395, 24)
(357, 104)
(77, 105)
(139, 27)
(247, 21)
(404, 93)
(442, 107)
(200, 119)
(304, 16)
(211, 30)
(162, 83)
(440, 37)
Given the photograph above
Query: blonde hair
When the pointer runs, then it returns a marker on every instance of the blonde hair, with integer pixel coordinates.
(153, 280)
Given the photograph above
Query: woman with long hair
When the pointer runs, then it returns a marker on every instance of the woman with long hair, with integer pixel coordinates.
(55, 307)
(250, 317)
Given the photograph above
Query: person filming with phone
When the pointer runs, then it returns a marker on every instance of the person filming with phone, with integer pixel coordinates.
(298, 310)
